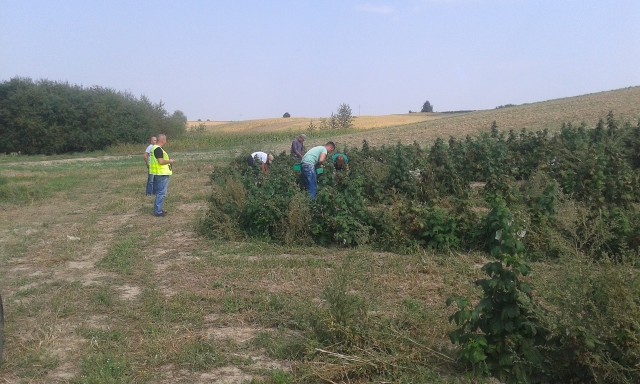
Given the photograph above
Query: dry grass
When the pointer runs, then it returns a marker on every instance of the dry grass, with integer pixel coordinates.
(97, 289)
(300, 124)
(94, 285)
(425, 128)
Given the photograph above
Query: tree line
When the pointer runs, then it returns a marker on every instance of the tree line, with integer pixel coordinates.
(48, 117)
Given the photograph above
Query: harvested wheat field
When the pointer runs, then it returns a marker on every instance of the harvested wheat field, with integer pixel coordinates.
(424, 128)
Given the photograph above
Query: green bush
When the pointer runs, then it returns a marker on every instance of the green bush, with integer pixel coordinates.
(571, 198)
(501, 335)
(433, 228)
(405, 197)
(596, 335)
(47, 117)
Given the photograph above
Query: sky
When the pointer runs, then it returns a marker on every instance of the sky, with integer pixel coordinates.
(255, 59)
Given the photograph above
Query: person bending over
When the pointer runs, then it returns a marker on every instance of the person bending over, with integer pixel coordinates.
(313, 158)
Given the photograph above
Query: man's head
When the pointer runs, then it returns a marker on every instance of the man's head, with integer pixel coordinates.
(330, 146)
(269, 158)
(302, 138)
(153, 140)
(162, 140)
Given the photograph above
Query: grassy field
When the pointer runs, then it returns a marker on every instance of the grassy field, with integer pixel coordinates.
(97, 290)
(425, 128)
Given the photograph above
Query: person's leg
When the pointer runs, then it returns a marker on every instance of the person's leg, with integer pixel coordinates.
(313, 187)
(150, 190)
(161, 184)
(310, 182)
(306, 177)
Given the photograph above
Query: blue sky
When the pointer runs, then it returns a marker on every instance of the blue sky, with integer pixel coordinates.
(241, 59)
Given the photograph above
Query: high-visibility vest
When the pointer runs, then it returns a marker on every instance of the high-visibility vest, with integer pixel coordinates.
(156, 168)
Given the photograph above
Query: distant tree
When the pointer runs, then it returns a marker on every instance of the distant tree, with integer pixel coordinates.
(175, 124)
(344, 117)
(427, 107)
(333, 121)
(286, 115)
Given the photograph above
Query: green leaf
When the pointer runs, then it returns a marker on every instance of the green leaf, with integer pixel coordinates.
(510, 311)
(509, 326)
(477, 356)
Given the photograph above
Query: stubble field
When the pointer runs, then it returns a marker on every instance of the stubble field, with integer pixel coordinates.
(425, 128)
(98, 290)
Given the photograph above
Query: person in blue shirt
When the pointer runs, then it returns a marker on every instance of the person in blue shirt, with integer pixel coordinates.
(314, 157)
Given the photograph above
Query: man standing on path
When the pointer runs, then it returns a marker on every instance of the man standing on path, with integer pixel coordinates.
(316, 155)
(160, 168)
(297, 147)
(152, 141)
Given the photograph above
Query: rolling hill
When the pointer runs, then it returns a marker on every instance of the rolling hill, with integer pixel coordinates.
(426, 127)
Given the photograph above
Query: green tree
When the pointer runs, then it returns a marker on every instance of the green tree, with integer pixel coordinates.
(344, 117)
(47, 117)
(427, 107)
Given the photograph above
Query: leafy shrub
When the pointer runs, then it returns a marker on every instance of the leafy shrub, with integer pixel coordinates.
(502, 335)
(47, 117)
(596, 335)
(571, 197)
(344, 321)
(341, 210)
(227, 199)
(404, 197)
(389, 228)
(295, 226)
(433, 228)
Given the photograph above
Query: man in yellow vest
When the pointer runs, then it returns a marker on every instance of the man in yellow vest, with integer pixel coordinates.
(160, 168)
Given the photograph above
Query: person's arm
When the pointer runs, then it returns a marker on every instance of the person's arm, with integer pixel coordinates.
(162, 161)
(146, 158)
(323, 157)
(158, 155)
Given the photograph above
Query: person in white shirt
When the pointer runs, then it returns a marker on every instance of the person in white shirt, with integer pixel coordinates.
(260, 158)
(152, 141)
